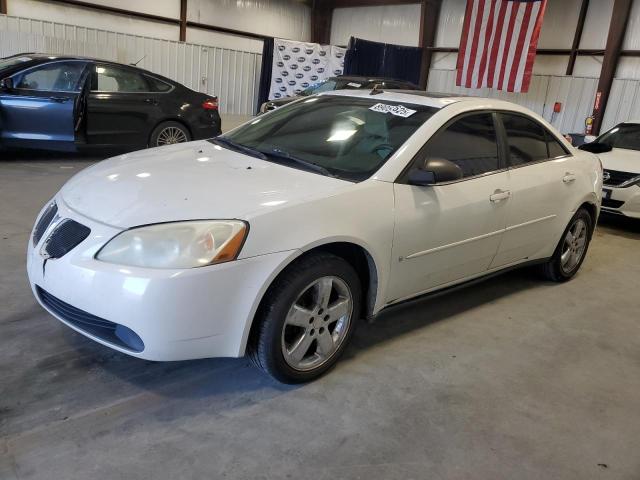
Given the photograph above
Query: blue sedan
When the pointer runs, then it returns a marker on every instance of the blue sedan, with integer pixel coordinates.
(69, 103)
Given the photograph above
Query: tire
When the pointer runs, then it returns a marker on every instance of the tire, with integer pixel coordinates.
(301, 332)
(558, 269)
(168, 133)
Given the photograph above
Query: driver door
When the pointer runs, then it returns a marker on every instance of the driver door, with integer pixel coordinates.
(42, 107)
(450, 232)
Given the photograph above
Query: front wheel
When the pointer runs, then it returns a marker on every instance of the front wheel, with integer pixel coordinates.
(307, 318)
(168, 133)
(571, 250)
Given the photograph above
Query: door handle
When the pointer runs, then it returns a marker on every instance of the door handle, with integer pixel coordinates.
(59, 99)
(500, 195)
(569, 177)
(151, 101)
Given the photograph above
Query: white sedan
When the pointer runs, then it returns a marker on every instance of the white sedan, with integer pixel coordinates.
(619, 150)
(276, 238)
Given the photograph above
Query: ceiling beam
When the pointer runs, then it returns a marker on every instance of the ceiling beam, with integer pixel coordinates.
(366, 3)
(183, 20)
(429, 15)
(617, 30)
(321, 16)
(577, 37)
(3, 7)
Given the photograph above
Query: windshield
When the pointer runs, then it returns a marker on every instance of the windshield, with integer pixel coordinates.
(11, 61)
(332, 84)
(625, 135)
(345, 137)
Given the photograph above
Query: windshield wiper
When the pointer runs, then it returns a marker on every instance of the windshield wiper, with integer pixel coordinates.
(281, 154)
(226, 142)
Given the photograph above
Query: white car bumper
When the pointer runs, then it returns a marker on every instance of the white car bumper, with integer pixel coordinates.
(173, 314)
(624, 201)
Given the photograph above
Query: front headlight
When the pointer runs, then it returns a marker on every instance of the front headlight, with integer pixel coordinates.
(176, 245)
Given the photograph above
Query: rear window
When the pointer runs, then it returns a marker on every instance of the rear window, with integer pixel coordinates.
(157, 85)
(350, 137)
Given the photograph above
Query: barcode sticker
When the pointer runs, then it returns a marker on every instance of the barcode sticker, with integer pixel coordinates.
(354, 84)
(397, 110)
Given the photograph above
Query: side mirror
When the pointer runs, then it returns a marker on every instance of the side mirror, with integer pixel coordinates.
(434, 170)
(596, 147)
(6, 84)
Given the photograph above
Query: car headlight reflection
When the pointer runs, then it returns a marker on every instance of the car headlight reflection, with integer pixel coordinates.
(175, 245)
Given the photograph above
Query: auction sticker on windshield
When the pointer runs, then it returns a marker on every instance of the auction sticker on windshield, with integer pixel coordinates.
(398, 110)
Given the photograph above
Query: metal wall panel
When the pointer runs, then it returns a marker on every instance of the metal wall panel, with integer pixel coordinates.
(399, 24)
(575, 93)
(232, 75)
(624, 103)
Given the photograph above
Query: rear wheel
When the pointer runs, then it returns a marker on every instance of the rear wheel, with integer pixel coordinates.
(571, 250)
(306, 319)
(168, 133)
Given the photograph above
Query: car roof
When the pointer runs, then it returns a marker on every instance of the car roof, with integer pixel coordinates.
(43, 57)
(364, 78)
(431, 99)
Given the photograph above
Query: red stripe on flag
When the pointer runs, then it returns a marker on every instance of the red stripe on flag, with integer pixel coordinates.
(519, 46)
(487, 38)
(474, 43)
(463, 41)
(496, 44)
(507, 43)
(533, 45)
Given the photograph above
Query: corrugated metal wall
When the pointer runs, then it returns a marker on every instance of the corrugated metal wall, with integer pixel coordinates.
(232, 75)
(575, 93)
(624, 103)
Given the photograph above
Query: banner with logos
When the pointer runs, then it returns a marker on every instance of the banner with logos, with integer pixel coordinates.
(298, 65)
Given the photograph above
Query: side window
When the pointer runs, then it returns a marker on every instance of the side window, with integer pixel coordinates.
(157, 85)
(556, 149)
(114, 79)
(469, 142)
(526, 139)
(52, 77)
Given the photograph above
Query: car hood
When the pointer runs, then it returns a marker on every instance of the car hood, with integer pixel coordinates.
(196, 180)
(622, 160)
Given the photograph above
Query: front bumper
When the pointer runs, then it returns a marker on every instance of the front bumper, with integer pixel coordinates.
(622, 201)
(177, 314)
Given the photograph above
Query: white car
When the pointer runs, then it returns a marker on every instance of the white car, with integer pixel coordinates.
(619, 151)
(276, 238)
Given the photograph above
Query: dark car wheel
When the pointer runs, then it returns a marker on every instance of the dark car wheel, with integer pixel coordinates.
(571, 250)
(306, 319)
(168, 133)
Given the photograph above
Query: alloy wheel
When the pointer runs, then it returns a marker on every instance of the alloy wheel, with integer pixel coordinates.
(574, 245)
(171, 135)
(317, 323)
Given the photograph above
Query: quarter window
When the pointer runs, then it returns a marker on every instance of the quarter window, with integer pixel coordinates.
(526, 139)
(157, 85)
(52, 77)
(114, 79)
(555, 147)
(469, 142)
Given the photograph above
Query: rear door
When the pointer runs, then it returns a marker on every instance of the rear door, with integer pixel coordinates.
(542, 176)
(41, 109)
(122, 109)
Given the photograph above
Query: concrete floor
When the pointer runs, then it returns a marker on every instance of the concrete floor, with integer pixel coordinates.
(511, 379)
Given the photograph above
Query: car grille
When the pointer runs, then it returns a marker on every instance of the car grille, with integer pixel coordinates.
(64, 238)
(110, 332)
(617, 178)
(44, 221)
(609, 203)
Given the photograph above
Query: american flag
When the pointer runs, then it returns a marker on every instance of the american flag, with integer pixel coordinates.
(498, 43)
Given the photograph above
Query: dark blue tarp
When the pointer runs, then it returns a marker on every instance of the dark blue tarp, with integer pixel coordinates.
(376, 59)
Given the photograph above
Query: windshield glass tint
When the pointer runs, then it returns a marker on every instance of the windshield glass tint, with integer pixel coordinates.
(332, 84)
(349, 137)
(626, 135)
(10, 62)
